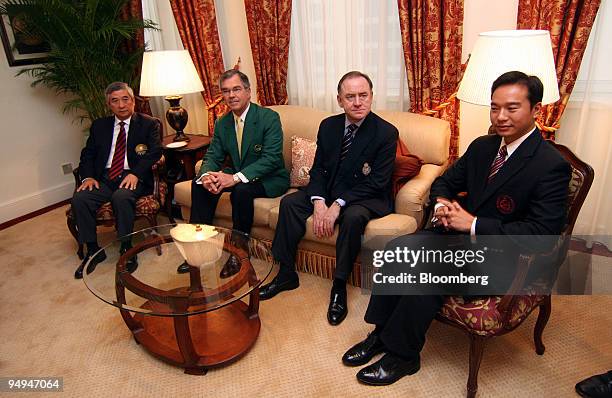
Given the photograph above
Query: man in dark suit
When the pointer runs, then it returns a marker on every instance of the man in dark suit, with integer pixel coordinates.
(350, 183)
(252, 137)
(517, 184)
(115, 166)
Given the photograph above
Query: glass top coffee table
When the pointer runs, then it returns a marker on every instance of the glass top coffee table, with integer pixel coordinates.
(196, 320)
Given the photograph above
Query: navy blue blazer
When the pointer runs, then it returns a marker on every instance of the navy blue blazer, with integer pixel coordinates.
(364, 176)
(144, 133)
(528, 196)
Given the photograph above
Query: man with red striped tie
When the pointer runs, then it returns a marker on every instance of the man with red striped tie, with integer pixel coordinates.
(115, 166)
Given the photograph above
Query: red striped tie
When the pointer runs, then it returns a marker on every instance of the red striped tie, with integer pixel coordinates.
(498, 162)
(119, 157)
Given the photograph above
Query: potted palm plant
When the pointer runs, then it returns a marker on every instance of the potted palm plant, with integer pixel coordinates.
(87, 41)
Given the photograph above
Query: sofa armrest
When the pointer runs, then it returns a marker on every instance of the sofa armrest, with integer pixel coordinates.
(412, 197)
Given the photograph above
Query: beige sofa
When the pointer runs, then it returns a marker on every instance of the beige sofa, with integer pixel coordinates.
(424, 136)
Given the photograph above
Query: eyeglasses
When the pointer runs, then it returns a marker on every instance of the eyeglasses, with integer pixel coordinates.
(235, 90)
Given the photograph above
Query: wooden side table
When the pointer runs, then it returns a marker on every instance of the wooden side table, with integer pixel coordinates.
(180, 163)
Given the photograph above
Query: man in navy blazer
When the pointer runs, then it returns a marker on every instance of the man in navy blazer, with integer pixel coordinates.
(517, 184)
(106, 177)
(350, 183)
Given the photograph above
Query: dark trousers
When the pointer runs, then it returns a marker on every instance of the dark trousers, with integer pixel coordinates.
(86, 203)
(295, 209)
(204, 204)
(403, 321)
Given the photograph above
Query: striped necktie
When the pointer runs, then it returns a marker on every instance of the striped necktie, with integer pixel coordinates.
(347, 140)
(499, 161)
(119, 157)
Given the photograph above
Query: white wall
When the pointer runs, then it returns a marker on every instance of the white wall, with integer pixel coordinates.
(35, 139)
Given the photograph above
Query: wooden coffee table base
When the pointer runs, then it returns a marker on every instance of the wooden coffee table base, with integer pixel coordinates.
(197, 342)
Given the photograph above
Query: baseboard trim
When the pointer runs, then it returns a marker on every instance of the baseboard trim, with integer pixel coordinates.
(26, 207)
(33, 214)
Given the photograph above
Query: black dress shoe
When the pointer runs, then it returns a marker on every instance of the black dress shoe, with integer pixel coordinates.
(231, 267)
(278, 285)
(132, 263)
(78, 274)
(183, 268)
(387, 370)
(337, 310)
(598, 386)
(363, 352)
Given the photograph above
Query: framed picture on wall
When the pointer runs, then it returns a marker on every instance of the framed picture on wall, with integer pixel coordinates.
(21, 45)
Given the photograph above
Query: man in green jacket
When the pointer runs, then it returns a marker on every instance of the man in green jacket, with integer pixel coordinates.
(252, 137)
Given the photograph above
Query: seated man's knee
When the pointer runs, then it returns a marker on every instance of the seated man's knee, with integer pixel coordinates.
(195, 187)
(122, 196)
(355, 216)
(79, 198)
(241, 191)
(292, 199)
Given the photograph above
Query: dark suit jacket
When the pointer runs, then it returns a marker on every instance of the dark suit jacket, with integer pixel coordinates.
(143, 130)
(364, 176)
(527, 196)
(261, 149)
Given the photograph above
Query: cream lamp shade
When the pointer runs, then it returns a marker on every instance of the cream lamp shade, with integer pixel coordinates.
(170, 74)
(200, 245)
(498, 52)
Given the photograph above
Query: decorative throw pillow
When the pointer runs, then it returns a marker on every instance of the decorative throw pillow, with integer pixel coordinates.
(302, 156)
(406, 166)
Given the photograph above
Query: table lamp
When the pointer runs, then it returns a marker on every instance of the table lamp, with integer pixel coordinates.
(170, 74)
(200, 245)
(498, 52)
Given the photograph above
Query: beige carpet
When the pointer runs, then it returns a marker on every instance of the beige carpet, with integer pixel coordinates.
(51, 325)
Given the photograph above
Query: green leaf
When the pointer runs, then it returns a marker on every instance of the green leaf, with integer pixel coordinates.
(86, 38)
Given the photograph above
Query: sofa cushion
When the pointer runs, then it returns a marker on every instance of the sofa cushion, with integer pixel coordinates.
(406, 166)
(301, 121)
(427, 137)
(391, 225)
(302, 156)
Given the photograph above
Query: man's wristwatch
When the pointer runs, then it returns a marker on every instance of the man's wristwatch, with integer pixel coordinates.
(236, 178)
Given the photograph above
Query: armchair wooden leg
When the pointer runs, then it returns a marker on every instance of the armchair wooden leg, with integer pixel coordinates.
(477, 344)
(543, 315)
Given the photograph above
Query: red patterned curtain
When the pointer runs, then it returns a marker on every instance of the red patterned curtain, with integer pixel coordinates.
(569, 23)
(197, 24)
(432, 34)
(133, 10)
(269, 26)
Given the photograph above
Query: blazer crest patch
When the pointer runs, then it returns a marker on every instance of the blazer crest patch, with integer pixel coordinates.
(366, 169)
(505, 204)
(141, 149)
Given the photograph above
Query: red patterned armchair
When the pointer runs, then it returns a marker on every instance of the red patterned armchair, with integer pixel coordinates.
(483, 318)
(147, 206)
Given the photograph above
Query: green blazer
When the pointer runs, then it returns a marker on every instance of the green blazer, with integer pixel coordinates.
(262, 149)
